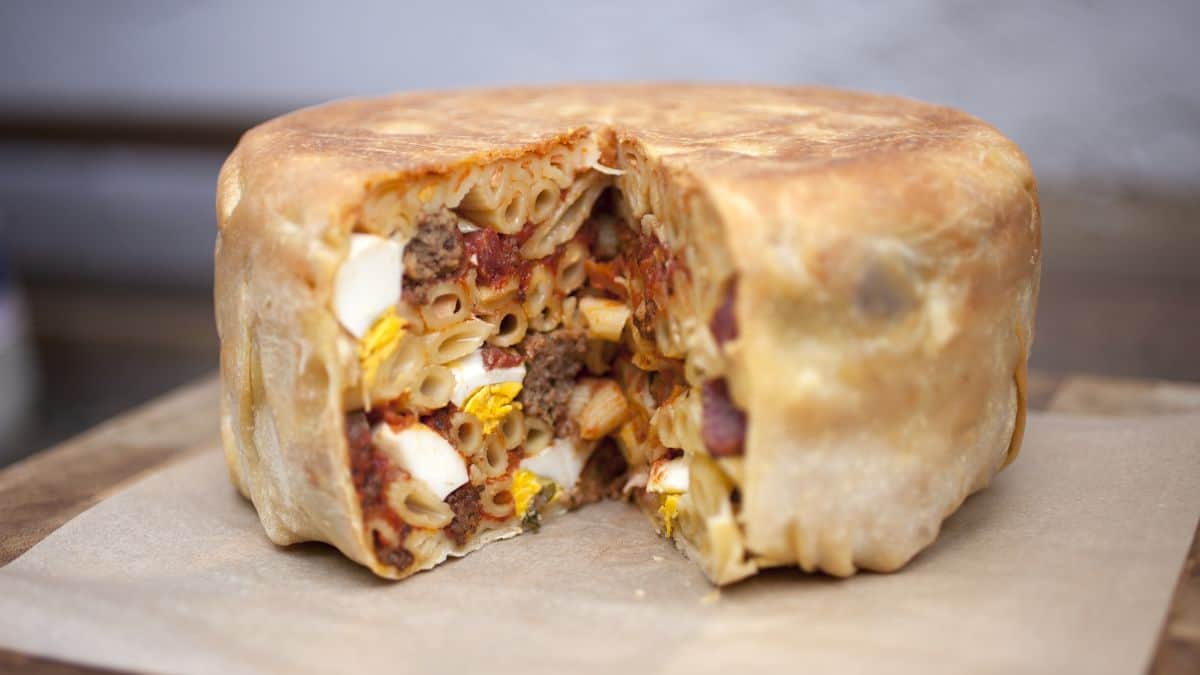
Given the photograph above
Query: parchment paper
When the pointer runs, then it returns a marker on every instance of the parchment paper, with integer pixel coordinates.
(1066, 564)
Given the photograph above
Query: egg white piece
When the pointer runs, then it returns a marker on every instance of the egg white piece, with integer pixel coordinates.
(368, 282)
(425, 455)
(470, 374)
(669, 476)
(562, 462)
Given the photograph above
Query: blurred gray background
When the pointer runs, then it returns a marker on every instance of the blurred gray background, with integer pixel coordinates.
(115, 116)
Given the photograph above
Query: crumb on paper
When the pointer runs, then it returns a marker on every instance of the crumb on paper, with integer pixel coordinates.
(712, 597)
(639, 593)
(657, 558)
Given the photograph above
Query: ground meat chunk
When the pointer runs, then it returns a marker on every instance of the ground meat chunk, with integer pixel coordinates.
(436, 250)
(554, 360)
(439, 420)
(371, 472)
(723, 426)
(397, 556)
(468, 509)
(603, 476)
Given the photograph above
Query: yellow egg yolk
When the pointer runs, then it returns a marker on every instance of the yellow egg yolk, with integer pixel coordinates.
(525, 486)
(669, 509)
(378, 344)
(491, 403)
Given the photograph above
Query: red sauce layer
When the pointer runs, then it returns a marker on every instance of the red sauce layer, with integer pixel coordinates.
(372, 471)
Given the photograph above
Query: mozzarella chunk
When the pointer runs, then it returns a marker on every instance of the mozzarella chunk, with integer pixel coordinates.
(562, 462)
(425, 455)
(368, 282)
(470, 374)
(669, 476)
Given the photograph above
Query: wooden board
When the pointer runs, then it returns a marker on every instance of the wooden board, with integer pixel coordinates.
(46, 490)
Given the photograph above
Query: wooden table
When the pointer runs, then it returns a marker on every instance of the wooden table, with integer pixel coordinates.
(41, 493)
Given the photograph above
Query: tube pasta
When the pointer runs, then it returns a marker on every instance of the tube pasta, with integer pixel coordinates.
(486, 193)
(707, 519)
(538, 435)
(509, 324)
(483, 194)
(645, 356)
(668, 336)
(544, 202)
(433, 387)
(492, 296)
(560, 167)
(632, 183)
(703, 361)
(514, 215)
(382, 530)
(708, 486)
(455, 189)
(605, 318)
(575, 208)
(677, 424)
(598, 357)
(397, 372)
(411, 316)
(665, 426)
(496, 499)
(416, 505)
(598, 406)
(457, 340)
(512, 429)
(570, 312)
(424, 544)
(448, 303)
(632, 445)
(571, 271)
(466, 433)
(492, 460)
(504, 207)
(538, 290)
(549, 317)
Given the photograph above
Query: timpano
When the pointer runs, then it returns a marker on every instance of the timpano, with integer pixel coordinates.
(789, 325)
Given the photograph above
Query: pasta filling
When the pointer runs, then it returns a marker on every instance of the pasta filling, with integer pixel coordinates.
(531, 361)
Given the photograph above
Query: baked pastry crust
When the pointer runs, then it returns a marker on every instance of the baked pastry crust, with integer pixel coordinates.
(887, 254)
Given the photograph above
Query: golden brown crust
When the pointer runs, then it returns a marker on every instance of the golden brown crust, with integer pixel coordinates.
(888, 254)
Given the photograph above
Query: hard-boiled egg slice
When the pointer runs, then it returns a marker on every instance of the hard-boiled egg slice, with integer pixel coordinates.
(425, 455)
(470, 374)
(562, 462)
(669, 476)
(378, 344)
(525, 486)
(491, 403)
(368, 282)
(669, 511)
